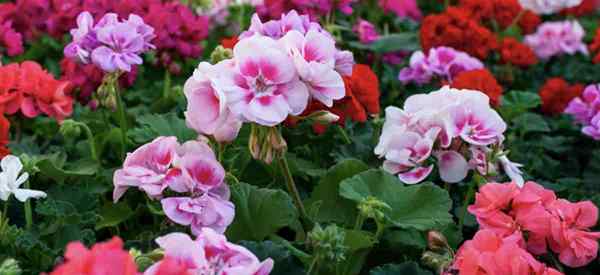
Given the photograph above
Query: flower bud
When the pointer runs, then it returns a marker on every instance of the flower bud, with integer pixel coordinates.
(328, 243)
(436, 241)
(324, 117)
(10, 267)
(70, 128)
(266, 143)
(436, 261)
(373, 208)
(219, 54)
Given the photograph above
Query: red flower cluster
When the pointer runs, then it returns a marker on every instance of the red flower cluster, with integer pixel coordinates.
(457, 29)
(545, 220)
(585, 8)
(556, 94)
(30, 89)
(516, 53)
(178, 29)
(502, 12)
(104, 258)
(595, 47)
(4, 136)
(87, 78)
(361, 100)
(480, 80)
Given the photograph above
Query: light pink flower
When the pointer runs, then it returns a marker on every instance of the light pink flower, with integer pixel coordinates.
(442, 62)
(585, 107)
(557, 38)
(147, 168)
(210, 253)
(205, 211)
(199, 173)
(314, 57)
(207, 111)
(344, 62)
(366, 31)
(265, 87)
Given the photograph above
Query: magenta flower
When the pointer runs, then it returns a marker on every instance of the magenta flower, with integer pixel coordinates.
(265, 87)
(207, 210)
(210, 253)
(11, 40)
(366, 31)
(207, 111)
(586, 111)
(557, 38)
(402, 8)
(442, 62)
(110, 44)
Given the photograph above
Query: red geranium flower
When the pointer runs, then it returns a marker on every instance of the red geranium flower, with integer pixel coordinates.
(455, 28)
(586, 7)
(514, 52)
(557, 93)
(104, 258)
(480, 80)
(10, 94)
(229, 43)
(4, 136)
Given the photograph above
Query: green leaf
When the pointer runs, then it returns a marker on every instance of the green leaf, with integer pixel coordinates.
(332, 207)
(407, 41)
(55, 171)
(113, 214)
(516, 103)
(259, 212)
(154, 125)
(359, 244)
(530, 123)
(408, 268)
(421, 207)
(285, 262)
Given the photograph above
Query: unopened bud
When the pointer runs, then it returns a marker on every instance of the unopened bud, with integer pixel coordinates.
(328, 242)
(70, 128)
(324, 117)
(436, 241)
(219, 54)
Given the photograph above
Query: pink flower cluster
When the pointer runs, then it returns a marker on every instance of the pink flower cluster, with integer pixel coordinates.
(10, 40)
(452, 126)
(178, 29)
(557, 38)
(277, 67)
(586, 111)
(190, 168)
(489, 254)
(441, 62)
(548, 222)
(110, 44)
(314, 8)
(210, 253)
(366, 31)
(402, 8)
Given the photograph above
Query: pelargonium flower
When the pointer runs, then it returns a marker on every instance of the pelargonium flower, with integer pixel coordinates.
(516, 53)
(11, 180)
(402, 8)
(479, 80)
(314, 8)
(210, 253)
(585, 109)
(548, 6)
(4, 136)
(557, 38)
(103, 258)
(207, 110)
(366, 31)
(207, 210)
(442, 62)
(439, 124)
(10, 40)
(110, 44)
(556, 93)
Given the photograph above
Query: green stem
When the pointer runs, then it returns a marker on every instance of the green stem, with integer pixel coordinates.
(313, 266)
(166, 84)
(345, 136)
(291, 186)
(122, 120)
(91, 140)
(28, 213)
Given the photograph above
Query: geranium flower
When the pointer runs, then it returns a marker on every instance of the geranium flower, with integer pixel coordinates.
(4, 136)
(556, 94)
(557, 38)
(210, 253)
(104, 258)
(479, 80)
(366, 31)
(205, 211)
(442, 62)
(11, 181)
(402, 8)
(516, 53)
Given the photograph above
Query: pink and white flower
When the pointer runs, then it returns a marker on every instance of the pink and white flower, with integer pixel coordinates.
(557, 38)
(207, 210)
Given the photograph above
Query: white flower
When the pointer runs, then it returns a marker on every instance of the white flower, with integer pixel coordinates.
(512, 170)
(10, 181)
(548, 6)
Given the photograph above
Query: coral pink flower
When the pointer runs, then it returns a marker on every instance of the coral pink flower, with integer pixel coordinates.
(493, 197)
(207, 111)
(265, 87)
(210, 253)
(104, 258)
(204, 211)
(147, 168)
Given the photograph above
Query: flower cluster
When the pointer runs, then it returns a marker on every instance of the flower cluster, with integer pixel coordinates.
(536, 212)
(4, 136)
(313, 8)
(101, 259)
(110, 44)
(479, 80)
(586, 111)
(402, 8)
(218, 10)
(190, 168)
(556, 94)
(276, 68)
(366, 31)
(442, 62)
(10, 40)
(490, 253)
(585, 8)
(557, 38)
(361, 100)
(11, 181)
(548, 7)
(28, 88)
(452, 125)
(516, 53)
(210, 253)
(502, 12)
